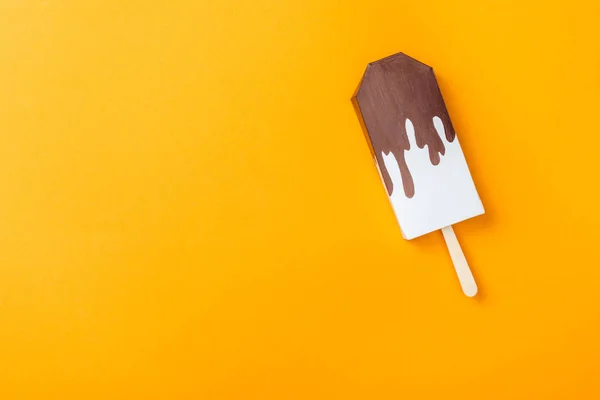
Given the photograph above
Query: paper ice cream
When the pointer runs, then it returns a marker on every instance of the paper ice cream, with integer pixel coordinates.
(415, 147)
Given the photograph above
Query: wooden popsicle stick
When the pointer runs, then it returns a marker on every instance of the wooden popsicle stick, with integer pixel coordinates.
(465, 277)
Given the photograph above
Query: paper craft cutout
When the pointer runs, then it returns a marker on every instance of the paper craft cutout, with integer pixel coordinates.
(416, 150)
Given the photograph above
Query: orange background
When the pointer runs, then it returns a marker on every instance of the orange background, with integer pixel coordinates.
(189, 210)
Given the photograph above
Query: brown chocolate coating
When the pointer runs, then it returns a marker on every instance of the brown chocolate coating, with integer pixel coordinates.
(393, 89)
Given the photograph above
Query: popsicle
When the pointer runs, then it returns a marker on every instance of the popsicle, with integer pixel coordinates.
(417, 153)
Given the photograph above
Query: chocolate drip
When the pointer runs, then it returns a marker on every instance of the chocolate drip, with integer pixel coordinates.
(394, 89)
